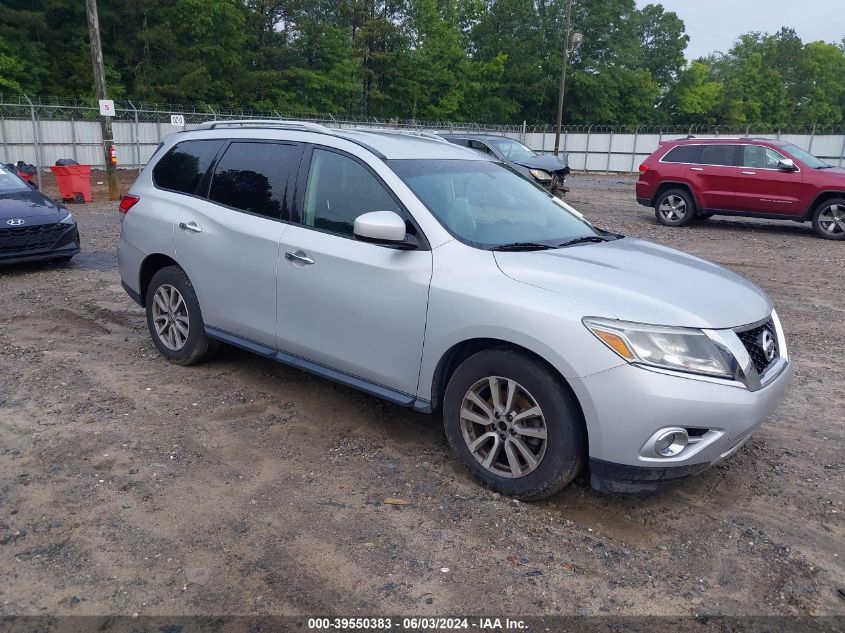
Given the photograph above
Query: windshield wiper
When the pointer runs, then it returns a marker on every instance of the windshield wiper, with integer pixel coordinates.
(584, 240)
(825, 167)
(521, 246)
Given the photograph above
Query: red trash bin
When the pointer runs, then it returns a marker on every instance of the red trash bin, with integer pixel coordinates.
(74, 182)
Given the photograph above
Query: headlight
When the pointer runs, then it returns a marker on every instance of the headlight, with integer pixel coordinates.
(68, 219)
(539, 174)
(681, 349)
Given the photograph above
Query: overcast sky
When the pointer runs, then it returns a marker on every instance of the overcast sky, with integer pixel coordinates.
(712, 25)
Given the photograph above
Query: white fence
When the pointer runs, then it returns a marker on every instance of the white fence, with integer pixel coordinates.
(40, 134)
(623, 152)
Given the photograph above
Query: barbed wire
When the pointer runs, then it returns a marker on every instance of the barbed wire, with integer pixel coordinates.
(59, 109)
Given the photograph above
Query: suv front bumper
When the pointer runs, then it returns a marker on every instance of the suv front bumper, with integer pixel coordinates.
(625, 406)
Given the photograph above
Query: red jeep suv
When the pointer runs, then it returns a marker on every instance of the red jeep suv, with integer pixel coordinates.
(762, 178)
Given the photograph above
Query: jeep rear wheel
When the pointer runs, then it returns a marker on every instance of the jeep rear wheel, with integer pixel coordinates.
(674, 207)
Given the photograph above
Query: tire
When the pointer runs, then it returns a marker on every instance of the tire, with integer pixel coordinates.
(559, 457)
(674, 207)
(64, 259)
(173, 344)
(829, 219)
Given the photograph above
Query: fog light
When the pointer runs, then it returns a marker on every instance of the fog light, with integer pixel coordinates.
(671, 442)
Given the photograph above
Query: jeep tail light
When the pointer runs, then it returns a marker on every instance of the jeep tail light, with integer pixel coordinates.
(643, 168)
(127, 202)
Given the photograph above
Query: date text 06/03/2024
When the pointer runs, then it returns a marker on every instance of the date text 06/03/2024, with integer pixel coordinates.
(416, 624)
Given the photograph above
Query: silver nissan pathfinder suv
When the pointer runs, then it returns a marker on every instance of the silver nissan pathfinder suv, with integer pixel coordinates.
(439, 279)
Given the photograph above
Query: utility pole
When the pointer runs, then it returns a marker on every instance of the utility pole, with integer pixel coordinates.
(563, 75)
(100, 81)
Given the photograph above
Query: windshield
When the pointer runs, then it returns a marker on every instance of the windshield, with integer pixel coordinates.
(512, 150)
(805, 157)
(9, 182)
(487, 205)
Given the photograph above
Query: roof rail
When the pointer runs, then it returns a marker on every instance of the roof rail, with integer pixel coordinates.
(418, 133)
(307, 126)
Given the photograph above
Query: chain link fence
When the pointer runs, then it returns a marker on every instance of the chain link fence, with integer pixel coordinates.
(42, 131)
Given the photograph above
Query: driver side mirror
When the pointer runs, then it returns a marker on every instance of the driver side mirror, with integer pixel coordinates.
(787, 165)
(383, 227)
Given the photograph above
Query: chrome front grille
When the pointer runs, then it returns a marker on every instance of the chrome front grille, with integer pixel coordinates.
(754, 340)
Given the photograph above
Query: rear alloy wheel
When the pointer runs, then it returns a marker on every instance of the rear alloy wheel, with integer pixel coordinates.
(514, 424)
(829, 219)
(170, 317)
(674, 208)
(175, 320)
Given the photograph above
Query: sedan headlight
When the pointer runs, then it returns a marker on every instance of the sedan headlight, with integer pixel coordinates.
(539, 174)
(681, 349)
(68, 219)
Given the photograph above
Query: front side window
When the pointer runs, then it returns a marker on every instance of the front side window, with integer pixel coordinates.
(253, 177)
(487, 205)
(717, 155)
(760, 157)
(512, 150)
(340, 189)
(184, 165)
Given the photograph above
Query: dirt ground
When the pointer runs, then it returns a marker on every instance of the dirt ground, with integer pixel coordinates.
(241, 486)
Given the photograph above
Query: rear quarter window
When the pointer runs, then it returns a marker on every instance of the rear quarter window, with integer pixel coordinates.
(184, 165)
(683, 154)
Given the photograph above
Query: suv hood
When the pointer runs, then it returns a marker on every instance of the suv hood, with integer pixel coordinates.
(546, 162)
(837, 172)
(633, 280)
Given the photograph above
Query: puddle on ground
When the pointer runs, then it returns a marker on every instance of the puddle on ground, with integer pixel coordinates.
(94, 261)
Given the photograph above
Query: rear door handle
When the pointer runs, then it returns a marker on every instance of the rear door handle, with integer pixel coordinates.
(696, 169)
(190, 226)
(749, 173)
(300, 257)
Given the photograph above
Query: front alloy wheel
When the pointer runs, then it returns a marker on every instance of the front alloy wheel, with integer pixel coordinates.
(514, 423)
(829, 220)
(503, 427)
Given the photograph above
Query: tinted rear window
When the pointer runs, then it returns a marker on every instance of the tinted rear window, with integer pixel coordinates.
(717, 155)
(182, 168)
(683, 154)
(253, 176)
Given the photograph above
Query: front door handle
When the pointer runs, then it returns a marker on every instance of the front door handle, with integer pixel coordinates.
(299, 257)
(696, 169)
(190, 226)
(749, 173)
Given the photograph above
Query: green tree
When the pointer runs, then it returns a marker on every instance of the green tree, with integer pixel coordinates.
(436, 62)
(696, 96)
(822, 84)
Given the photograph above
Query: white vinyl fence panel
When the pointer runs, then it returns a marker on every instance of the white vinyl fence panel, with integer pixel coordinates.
(42, 134)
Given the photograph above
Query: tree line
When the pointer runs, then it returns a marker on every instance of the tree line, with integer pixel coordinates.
(463, 60)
